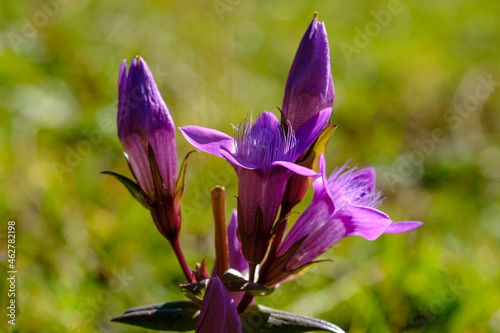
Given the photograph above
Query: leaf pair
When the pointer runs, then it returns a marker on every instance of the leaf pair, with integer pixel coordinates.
(183, 317)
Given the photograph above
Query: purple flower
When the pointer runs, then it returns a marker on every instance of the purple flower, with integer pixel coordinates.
(344, 205)
(309, 87)
(143, 119)
(147, 133)
(236, 259)
(262, 155)
(218, 311)
(308, 90)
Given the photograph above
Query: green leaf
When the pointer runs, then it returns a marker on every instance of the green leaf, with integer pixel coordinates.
(181, 179)
(311, 158)
(261, 319)
(132, 187)
(175, 316)
(234, 281)
(156, 175)
(195, 290)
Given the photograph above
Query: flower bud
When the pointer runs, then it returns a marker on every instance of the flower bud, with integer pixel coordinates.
(309, 87)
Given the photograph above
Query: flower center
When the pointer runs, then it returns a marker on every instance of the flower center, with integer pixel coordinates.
(264, 141)
(352, 188)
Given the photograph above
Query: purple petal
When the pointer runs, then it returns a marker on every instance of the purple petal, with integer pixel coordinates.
(366, 222)
(236, 259)
(207, 139)
(160, 126)
(237, 161)
(365, 177)
(122, 89)
(310, 130)
(218, 312)
(403, 226)
(267, 120)
(322, 230)
(303, 171)
(320, 185)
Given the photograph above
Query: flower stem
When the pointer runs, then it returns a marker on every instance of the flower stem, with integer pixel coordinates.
(221, 246)
(245, 302)
(180, 257)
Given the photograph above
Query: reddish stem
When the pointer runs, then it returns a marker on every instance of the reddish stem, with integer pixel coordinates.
(221, 246)
(180, 257)
(245, 302)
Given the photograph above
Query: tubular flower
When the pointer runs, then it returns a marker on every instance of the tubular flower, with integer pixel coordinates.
(218, 311)
(343, 205)
(147, 133)
(309, 87)
(262, 154)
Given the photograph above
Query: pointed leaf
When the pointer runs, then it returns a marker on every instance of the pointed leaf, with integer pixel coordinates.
(304, 269)
(319, 146)
(261, 319)
(156, 175)
(195, 290)
(234, 281)
(132, 187)
(181, 179)
(186, 305)
(176, 316)
(277, 271)
(283, 220)
(311, 158)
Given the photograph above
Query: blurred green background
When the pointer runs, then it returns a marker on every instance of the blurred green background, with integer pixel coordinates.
(417, 97)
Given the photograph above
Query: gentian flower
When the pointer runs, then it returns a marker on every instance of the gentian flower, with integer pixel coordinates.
(147, 132)
(309, 89)
(343, 205)
(262, 154)
(144, 120)
(218, 311)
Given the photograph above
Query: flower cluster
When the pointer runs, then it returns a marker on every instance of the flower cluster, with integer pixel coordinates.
(276, 161)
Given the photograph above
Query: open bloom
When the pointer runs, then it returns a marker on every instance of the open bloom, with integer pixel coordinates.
(309, 87)
(218, 312)
(263, 155)
(147, 133)
(343, 205)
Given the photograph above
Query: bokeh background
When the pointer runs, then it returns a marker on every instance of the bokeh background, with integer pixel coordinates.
(417, 97)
